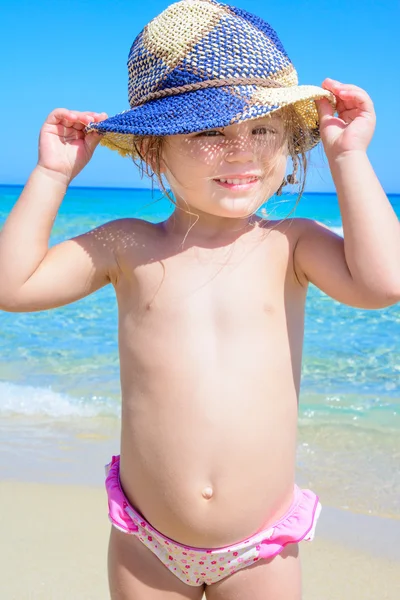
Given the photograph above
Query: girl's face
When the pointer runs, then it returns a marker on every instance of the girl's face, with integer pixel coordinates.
(227, 172)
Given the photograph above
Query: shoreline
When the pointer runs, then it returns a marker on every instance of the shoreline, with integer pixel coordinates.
(53, 514)
(375, 535)
(55, 536)
(329, 461)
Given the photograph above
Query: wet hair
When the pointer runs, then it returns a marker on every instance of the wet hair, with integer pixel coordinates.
(147, 153)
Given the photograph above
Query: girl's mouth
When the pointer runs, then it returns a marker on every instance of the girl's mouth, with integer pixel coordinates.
(240, 184)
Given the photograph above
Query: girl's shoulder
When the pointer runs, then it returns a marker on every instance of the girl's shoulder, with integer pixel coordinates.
(130, 228)
(288, 227)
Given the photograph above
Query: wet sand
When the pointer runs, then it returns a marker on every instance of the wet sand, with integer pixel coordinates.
(54, 525)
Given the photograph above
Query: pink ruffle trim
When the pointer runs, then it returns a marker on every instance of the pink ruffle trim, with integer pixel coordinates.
(296, 525)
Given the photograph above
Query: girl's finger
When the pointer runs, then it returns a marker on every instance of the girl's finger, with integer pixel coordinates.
(325, 108)
(69, 116)
(60, 114)
(85, 117)
(102, 116)
(353, 95)
(354, 99)
(70, 135)
(334, 86)
(348, 116)
(91, 116)
(92, 140)
(82, 121)
(349, 93)
(68, 122)
(78, 125)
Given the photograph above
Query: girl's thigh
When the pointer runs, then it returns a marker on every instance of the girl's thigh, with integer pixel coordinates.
(278, 578)
(135, 573)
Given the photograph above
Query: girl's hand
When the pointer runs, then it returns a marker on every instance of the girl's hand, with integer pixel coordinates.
(353, 127)
(64, 148)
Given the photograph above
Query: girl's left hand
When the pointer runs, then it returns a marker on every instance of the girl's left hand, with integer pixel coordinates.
(353, 127)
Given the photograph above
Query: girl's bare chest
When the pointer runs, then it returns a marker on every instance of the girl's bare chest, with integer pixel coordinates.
(224, 285)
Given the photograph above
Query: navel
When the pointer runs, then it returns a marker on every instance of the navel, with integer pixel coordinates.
(208, 492)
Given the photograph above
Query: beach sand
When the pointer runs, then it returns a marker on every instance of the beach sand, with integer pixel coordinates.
(54, 537)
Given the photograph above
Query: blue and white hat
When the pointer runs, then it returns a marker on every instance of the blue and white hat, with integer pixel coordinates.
(200, 65)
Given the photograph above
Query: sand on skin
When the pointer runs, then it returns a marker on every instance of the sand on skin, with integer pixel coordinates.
(53, 545)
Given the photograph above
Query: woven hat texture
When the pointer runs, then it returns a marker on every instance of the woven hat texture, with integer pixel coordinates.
(202, 64)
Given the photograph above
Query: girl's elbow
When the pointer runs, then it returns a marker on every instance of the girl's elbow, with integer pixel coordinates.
(390, 296)
(11, 302)
(394, 296)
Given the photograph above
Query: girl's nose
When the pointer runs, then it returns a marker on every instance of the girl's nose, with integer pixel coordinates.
(239, 151)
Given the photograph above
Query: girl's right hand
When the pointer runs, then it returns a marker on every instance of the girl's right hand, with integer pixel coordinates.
(64, 148)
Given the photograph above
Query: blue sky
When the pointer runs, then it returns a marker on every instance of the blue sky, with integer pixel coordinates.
(73, 54)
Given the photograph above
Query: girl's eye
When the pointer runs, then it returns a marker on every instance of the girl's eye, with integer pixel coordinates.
(265, 130)
(209, 133)
(262, 130)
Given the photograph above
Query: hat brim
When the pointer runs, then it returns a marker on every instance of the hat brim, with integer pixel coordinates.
(208, 108)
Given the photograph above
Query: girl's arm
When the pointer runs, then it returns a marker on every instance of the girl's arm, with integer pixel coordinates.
(363, 269)
(32, 276)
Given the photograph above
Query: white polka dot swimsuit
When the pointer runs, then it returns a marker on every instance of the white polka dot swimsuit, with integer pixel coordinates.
(196, 566)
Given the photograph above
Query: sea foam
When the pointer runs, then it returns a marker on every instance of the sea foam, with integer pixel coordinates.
(35, 401)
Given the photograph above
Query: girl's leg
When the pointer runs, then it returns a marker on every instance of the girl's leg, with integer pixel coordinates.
(278, 578)
(135, 573)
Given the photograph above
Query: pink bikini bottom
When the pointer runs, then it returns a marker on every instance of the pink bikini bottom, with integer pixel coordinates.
(196, 566)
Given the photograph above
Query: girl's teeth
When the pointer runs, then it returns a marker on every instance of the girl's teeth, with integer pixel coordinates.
(237, 181)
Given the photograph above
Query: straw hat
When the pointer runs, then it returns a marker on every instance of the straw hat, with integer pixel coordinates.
(200, 65)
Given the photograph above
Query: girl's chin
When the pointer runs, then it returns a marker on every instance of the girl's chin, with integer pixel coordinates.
(239, 207)
(234, 214)
(226, 206)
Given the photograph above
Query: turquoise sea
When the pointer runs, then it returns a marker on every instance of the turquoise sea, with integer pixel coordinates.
(61, 366)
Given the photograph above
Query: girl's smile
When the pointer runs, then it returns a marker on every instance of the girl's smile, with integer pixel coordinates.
(240, 183)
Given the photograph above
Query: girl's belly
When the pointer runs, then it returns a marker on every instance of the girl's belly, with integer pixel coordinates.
(209, 460)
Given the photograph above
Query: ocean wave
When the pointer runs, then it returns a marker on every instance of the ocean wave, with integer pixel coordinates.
(371, 413)
(37, 401)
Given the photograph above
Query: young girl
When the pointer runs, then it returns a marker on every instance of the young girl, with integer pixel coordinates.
(211, 301)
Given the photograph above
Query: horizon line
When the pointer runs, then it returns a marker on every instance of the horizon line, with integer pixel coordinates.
(136, 189)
